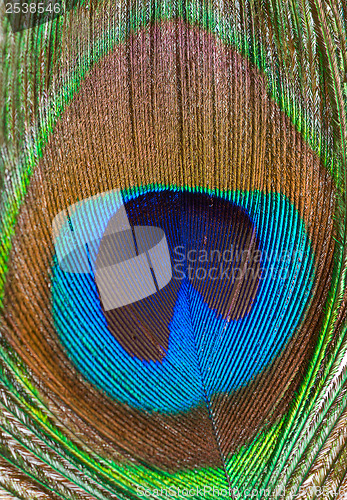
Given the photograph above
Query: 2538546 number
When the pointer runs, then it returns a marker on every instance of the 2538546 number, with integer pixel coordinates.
(40, 8)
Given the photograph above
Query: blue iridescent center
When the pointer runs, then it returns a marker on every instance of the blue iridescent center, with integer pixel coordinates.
(198, 336)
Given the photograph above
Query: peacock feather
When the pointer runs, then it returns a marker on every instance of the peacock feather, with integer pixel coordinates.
(221, 126)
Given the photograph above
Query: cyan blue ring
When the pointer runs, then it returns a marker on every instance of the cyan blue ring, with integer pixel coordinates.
(252, 343)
